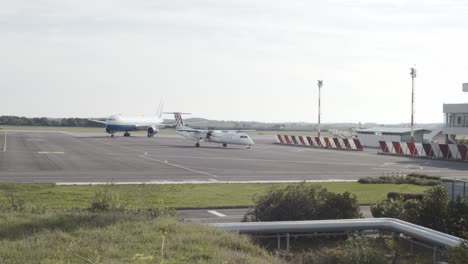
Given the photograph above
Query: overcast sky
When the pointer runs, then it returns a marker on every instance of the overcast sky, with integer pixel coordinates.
(233, 60)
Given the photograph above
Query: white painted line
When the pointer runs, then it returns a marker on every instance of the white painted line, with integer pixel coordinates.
(179, 166)
(216, 213)
(266, 160)
(195, 182)
(50, 152)
(212, 180)
(4, 142)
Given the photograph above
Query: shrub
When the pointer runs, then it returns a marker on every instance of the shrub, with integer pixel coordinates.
(15, 202)
(389, 208)
(458, 255)
(341, 206)
(106, 200)
(405, 196)
(302, 202)
(413, 178)
(434, 211)
(353, 250)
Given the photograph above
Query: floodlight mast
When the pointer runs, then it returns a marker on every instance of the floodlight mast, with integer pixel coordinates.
(320, 84)
(413, 75)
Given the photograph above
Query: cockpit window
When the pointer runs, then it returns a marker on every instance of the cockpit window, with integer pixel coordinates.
(243, 136)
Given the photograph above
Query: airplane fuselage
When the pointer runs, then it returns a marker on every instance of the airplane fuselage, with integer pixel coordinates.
(219, 136)
(117, 123)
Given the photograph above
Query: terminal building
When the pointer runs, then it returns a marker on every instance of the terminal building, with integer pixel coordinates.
(455, 120)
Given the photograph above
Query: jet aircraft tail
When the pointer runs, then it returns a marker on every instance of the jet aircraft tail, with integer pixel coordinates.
(179, 122)
(159, 112)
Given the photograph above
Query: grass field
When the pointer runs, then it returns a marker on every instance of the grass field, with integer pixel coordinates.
(115, 237)
(184, 195)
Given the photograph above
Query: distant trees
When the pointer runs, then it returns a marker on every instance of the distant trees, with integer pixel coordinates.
(44, 121)
(303, 202)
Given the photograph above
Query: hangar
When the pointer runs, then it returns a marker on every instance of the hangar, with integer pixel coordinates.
(370, 137)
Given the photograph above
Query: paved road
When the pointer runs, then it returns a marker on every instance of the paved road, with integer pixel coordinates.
(62, 157)
(229, 215)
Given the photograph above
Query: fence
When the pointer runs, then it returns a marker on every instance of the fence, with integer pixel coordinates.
(456, 188)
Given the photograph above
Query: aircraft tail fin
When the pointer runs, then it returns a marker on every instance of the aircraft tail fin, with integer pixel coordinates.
(178, 119)
(159, 112)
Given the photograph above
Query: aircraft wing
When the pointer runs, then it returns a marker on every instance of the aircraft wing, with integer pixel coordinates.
(191, 130)
(97, 121)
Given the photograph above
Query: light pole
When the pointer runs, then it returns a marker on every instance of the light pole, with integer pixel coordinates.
(320, 84)
(413, 75)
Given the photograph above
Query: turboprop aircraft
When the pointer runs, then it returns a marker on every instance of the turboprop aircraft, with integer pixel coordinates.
(224, 137)
(121, 123)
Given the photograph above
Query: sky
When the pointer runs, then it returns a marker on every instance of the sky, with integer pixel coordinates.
(251, 60)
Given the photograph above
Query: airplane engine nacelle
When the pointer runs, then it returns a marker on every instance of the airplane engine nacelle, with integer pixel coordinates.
(152, 131)
(109, 131)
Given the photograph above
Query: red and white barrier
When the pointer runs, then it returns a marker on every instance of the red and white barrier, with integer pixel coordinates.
(321, 142)
(426, 150)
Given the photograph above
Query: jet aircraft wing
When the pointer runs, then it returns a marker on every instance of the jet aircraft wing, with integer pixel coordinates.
(97, 121)
(192, 130)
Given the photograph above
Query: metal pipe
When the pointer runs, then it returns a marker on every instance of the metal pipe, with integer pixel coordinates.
(389, 224)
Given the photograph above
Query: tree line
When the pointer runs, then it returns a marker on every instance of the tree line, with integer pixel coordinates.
(44, 121)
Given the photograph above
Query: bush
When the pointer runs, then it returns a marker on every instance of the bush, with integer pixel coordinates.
(302, 202)
(353, 250)
(106, 200)
(434, 211)
(458, 255)
(390, 208)
(404, 196)
(413, 178)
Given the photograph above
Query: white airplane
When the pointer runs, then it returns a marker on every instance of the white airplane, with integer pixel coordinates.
(116, 123)
(214, 136)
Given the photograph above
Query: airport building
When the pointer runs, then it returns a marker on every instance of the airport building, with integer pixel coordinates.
(455, 120)
(370, 137)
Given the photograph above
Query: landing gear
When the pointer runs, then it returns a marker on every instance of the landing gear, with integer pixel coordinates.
(248, 147)
(224, 145)
(126, 134)
(197, 145)
(112, 135)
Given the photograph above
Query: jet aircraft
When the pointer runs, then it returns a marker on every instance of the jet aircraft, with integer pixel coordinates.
(123, 123)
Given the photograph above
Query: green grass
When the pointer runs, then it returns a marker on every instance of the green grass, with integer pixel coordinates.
(186, 195)
(85, 237)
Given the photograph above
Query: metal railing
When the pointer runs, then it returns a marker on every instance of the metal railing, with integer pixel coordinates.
(342, 225)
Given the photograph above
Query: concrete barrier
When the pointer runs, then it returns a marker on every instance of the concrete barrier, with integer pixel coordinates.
(425, 150)
(321, 142)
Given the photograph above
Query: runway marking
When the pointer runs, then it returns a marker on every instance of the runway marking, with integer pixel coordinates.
(269, 160)
(50, 152)
(34, 139)
(4, 142)
(216, 213)
(178, 166)
(212, 180)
